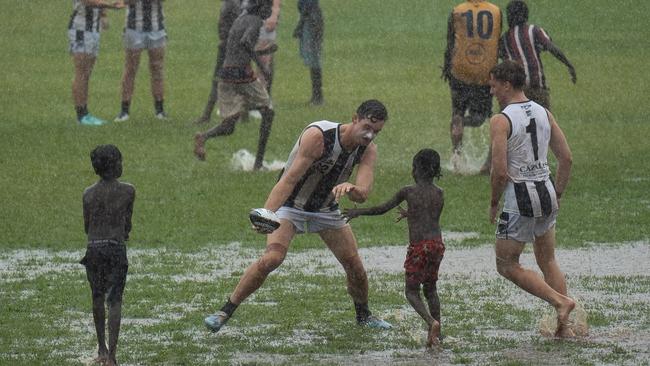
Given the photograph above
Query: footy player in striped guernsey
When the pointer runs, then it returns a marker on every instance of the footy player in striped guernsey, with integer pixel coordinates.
(521, 136)
(523, 43)
(473, 32)
(83, 35)
(306, 198)
(144, 29)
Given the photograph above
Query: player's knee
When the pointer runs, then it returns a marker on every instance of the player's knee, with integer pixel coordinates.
(157, 71)
(114, 296)
(430, 286)
(267, 113)
(546, 264)
(355, 271)
(353, 264)
(227, 126)
(98, 295)
(113, 299)
(506, 266)
(411, 288)
(272, 258)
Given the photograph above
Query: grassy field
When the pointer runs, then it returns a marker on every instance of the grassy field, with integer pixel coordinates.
(191, 216)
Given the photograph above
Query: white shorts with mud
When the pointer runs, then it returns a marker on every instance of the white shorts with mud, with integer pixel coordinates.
(524, 229)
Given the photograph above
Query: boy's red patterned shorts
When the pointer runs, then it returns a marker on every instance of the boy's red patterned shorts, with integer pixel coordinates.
(423, 261)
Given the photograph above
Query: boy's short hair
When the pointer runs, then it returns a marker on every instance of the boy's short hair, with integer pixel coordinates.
(106, 160)
(427, 163)
(510, 71)
(373, 110)
(517, 11)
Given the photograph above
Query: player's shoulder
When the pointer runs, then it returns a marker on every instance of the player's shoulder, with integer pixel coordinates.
(88, 191)
(126, 187)
(499, 117)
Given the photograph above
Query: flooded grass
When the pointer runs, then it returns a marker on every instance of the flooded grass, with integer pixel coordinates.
(302, 315)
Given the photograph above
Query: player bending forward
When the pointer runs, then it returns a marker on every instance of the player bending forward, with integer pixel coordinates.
(306, 200)
(426, 249)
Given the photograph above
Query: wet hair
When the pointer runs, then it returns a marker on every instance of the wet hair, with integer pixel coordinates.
(426, 164)
(510, 71)
(107, 161)
(373, 110)
(517, 11)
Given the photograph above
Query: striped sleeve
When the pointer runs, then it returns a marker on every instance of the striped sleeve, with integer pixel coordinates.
(542, 39)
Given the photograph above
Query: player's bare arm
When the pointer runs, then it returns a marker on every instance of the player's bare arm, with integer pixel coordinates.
(129, 211)
(555, 51)
(562, 152)
(381, 209)
(446, 68)
(86, 211)
(272, 22)
(311, 149)
(499, 130)
(359, 191)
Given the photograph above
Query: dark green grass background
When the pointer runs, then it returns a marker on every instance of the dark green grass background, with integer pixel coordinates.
(390, 50)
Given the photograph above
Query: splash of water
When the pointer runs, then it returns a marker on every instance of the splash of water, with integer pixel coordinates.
(244, 160)
(474, 152)
(577, 320)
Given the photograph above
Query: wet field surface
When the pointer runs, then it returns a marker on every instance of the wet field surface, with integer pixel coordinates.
(611, 281)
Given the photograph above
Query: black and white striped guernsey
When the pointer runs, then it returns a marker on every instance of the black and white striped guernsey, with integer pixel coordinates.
(84, 18)
(145, 16)
(530, 191)
(313, 192)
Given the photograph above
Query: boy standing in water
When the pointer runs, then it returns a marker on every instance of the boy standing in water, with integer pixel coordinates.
(425, 252)
(107, 208)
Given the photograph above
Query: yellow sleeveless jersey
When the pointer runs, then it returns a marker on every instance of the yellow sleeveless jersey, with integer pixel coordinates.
(477, 28)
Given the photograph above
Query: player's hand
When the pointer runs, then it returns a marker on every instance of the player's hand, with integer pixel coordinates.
(271, 23)
(341, 190)
(493, 212)
(402, 214)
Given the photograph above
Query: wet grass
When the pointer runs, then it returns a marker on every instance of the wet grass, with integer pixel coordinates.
(391, 52)
(301, 317)
(186, 204)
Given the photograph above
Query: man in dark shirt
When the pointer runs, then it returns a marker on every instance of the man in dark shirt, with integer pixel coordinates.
(107, 210)
(230, 10)
(239, 87)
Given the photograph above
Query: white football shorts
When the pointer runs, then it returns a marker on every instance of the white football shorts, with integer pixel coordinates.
(83, 42)
(311, 222)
